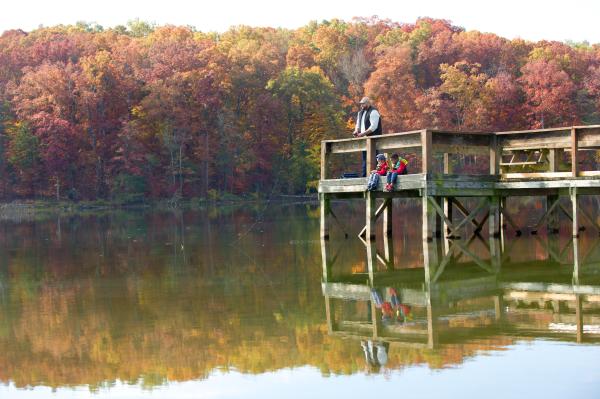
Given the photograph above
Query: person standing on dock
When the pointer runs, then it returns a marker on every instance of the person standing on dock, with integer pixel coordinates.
(368, 123)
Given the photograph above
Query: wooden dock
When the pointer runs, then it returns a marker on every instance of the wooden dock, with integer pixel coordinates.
(550, 163)
(542, 162)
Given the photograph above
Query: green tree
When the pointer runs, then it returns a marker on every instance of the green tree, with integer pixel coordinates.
(311, 110)
(23, 156)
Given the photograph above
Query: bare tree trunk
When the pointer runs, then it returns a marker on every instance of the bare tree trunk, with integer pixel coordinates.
(206, 155)
(173, 178)
(542, 120)
(180, 170)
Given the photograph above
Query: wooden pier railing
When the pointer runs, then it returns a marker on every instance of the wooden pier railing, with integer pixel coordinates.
(542, 153)
(546, 148)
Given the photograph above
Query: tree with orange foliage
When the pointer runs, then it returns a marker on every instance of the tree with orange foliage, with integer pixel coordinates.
(549, 94)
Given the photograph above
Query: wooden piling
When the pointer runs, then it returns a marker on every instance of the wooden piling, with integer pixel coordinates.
(324, 211)
(579, 317)
(388, 235)
(494, 217)
(575, 213)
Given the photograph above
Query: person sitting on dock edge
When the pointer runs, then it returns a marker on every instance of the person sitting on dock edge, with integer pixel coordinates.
(381, 170)
(368, 123)
(398, 168)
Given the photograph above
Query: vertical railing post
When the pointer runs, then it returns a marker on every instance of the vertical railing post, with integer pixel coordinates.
(426, 151)
(574, 157)
(495, 155)
(447, 167)
(371, 155)
(553, 160)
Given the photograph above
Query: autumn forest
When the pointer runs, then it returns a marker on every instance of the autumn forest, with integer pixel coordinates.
(147, 112)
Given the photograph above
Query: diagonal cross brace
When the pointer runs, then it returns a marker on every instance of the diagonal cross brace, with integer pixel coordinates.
(509, 220)
(381, 259)
(339, 223)
(478, 261)
(547, 214)
(387, 202)
(462, 209)
(471, 216)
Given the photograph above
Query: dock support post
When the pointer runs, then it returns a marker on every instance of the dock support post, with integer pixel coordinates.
(446, 229)
(432, 331)
(576, 261)
(370, 222)
(495, 231)
(552, 228)
(498, 307)
(440, 225)
(495, 254)
(370, 214)
(447, 201)
(494, 218)
(327, 261)
(324, 208)
(502, 223)
(573, 194)
(330, 321)
(388, 235)
(375, 320)
(579, 317)
(448, 213)
(429, 217)
(431, 262)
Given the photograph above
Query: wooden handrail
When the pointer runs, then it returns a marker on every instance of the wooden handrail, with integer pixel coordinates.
(492, 144)
(551, 129)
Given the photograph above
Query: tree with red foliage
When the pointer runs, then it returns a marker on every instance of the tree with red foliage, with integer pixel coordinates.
(393, 88)
(549, 94)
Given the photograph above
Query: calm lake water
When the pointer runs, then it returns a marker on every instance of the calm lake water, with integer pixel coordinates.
(232, 302)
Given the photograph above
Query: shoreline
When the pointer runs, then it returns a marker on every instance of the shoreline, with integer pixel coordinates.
(31, 209)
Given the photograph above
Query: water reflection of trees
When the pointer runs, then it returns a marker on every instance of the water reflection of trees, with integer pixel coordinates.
(152, 297)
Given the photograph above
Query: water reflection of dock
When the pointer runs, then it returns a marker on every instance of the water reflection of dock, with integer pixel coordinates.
(467, 301)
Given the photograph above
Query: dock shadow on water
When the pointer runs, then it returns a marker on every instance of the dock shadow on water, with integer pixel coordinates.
(250, 303)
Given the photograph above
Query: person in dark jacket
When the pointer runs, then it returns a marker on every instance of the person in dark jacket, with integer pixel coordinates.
(368, 123)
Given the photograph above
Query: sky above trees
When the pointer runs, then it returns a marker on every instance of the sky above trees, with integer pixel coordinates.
(532, 20)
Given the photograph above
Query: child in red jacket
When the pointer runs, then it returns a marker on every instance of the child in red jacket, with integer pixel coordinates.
(398, 168)
(381, 170)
